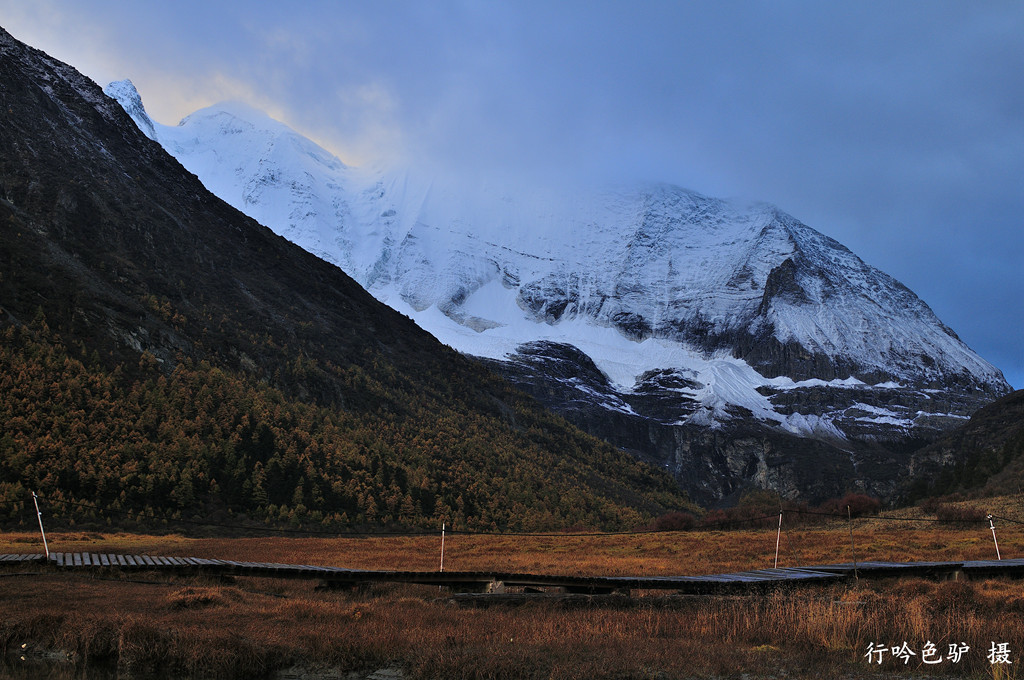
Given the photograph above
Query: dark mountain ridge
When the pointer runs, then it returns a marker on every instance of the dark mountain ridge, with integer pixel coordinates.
(985, 456)
(113, 216)
(111, 250)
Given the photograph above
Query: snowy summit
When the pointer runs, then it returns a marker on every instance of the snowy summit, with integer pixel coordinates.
(740, 301)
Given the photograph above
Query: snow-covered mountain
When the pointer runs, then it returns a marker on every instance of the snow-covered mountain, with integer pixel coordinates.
(694, 311)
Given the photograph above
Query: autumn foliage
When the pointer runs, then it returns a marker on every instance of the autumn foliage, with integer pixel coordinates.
(151, 446)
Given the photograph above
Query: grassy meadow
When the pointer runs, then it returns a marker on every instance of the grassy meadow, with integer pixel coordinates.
(200, 627)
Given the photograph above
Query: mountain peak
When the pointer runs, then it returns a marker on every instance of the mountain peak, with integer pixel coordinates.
(123, 256)
(233, 109)
(699, 313)
(653, 261)
(124, 92)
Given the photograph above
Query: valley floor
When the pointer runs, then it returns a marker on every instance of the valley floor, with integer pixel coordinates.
(145, 625)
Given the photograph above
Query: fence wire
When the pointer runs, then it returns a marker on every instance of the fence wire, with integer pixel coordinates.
(402, 533)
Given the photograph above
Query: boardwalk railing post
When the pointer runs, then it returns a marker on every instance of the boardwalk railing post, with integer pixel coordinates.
(853, 551)
(39, 516)
(994, 540)
(442, 546)
(778, 537)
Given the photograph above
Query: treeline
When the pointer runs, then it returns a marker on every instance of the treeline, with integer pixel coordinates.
(761, 508)
(145, 443)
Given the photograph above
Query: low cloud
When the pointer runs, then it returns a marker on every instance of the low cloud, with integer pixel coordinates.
(896, 129)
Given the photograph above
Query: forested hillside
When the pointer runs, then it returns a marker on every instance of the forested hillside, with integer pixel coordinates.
(162, 352)
(172, 445)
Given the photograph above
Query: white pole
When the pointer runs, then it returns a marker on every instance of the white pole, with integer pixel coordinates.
(993, 525)
(853, 550)
(777, 538)
(442, 546)
(39, 515)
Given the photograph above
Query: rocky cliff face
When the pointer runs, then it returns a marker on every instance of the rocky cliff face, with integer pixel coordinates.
(715, 461)
(727, 341)
(984, 456)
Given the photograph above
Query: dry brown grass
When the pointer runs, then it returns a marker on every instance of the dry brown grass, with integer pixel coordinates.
(247, 628)
(667, 553)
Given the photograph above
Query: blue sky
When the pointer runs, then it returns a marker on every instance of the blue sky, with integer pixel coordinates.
(896, 128)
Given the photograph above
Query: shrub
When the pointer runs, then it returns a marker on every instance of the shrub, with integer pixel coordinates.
(957, 513)
(859, 505)
(674, 521)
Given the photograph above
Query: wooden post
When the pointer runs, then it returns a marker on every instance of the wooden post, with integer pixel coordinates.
(39, 515)
(849, 519)
(442, 546)
(778, 537)
(993, 525)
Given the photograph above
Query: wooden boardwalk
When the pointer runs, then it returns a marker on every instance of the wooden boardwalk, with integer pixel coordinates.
(494, 581)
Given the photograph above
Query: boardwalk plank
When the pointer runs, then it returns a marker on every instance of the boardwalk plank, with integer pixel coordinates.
(753, 578)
